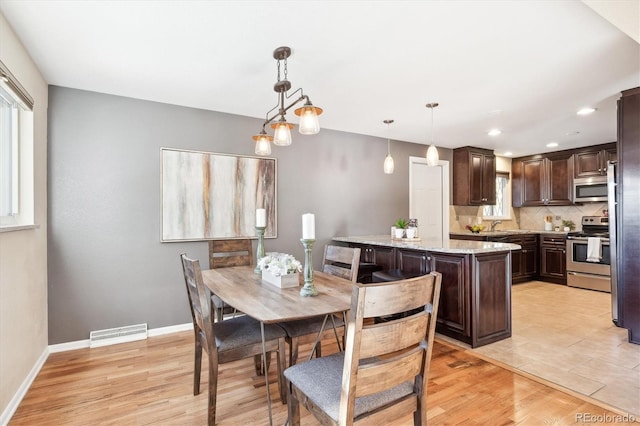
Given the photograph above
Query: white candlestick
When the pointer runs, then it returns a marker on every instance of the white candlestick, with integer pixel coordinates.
(261, 217)
(308, 226)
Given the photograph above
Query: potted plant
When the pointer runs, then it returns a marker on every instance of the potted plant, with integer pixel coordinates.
(401, 225)
(568, 225)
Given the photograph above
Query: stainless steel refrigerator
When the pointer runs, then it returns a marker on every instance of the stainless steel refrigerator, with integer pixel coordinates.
(612, 199)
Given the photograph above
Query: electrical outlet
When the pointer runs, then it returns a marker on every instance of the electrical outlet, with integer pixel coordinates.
(557, 217)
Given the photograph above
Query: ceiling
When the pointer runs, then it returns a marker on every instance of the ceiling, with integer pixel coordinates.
(524, 67)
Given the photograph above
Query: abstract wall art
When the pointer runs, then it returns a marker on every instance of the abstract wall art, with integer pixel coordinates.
(208, 196)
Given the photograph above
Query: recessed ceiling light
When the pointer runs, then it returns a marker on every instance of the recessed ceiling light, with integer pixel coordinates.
(586, 111)
(494, 132)
(508, 153)
(552, 144)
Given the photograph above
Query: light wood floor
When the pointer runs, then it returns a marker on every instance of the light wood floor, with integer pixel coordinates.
(565, 335)
(150, 382)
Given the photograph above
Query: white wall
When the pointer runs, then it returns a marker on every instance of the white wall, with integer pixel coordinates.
(23, 254)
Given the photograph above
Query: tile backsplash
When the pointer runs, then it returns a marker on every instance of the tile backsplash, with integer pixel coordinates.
(531, 218)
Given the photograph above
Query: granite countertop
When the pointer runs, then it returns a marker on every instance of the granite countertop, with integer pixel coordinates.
(505, 232)
(447, 246)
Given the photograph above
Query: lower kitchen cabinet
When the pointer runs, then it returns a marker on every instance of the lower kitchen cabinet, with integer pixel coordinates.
(413, 262)
(553, 258)
(524, 262)
(383, 256)
(475, 297)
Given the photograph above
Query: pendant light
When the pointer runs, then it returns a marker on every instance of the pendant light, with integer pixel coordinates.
(432, 151)
(388, 160)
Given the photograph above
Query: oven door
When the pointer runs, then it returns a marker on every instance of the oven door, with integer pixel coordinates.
(577, 258)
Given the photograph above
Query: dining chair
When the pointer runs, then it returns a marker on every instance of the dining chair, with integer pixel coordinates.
(339, 261)
(382, 374)
(226, 341)
(224, 254)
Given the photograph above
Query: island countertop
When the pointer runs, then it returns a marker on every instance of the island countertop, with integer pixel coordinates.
(446, 246)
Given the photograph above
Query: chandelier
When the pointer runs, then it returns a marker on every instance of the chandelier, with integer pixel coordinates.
(309, 124)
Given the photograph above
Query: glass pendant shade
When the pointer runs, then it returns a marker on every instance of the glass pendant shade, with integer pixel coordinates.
(309, 124)
(282, 133)
(388, 164)
(263, 143)
(432, 156)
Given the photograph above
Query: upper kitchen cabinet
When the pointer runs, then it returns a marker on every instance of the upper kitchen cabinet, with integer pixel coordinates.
(592, 161)
(474, 176)
(542, 180)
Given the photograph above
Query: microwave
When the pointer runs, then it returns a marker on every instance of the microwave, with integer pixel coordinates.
(590, 190)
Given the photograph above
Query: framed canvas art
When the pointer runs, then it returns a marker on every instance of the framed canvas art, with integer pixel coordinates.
(207, 196)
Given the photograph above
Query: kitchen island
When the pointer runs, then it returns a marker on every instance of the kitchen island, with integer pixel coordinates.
(475, 299)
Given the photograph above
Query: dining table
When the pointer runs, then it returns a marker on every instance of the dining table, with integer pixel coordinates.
(244, 289)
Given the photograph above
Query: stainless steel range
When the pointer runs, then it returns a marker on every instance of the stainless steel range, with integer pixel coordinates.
(589, 255)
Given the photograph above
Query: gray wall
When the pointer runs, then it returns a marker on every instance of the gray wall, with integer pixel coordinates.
(106, 265)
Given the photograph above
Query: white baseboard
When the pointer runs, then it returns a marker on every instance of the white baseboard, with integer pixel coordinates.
(22, 390)
(170, 329)
(68, 346)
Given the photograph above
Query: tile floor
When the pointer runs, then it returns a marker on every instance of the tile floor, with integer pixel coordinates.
(565, 335)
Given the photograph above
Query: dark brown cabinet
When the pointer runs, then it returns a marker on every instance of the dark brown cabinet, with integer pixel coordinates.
(553, 258)
(524, 262)
(593, 160)
(414, 262)
(628, 214)
(383, 256)
(454, 311)
(474, 177)
(542, 181)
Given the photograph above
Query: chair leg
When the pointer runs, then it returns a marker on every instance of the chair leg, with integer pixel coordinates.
(259, 366)
(293, 407)
(293, 351)
(197, 366)
(213, 392)
(282, 359)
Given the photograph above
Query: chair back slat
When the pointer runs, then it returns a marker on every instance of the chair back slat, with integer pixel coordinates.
(227, 253)
(341, 261)
(384, 374)
(387, 337)
(400, 296)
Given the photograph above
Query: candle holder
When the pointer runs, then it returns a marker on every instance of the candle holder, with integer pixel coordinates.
(309, 289)
(260, 248)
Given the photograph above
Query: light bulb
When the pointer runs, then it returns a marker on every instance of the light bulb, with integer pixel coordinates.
(388, 164)
(309, 124)
(282, 134)
(432, 156)
(263, 145)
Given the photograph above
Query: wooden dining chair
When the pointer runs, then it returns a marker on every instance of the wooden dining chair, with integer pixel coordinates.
(339, 261)
(224, 254)
(226, 341)
(382, 374)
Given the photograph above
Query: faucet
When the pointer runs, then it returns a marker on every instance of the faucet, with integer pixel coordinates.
(494, 223)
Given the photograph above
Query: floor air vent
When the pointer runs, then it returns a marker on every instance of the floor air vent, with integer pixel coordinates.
(112, 336)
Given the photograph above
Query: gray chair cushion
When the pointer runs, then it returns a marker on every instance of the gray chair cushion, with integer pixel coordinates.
(241, 331)
(321, 380)
(308, 326)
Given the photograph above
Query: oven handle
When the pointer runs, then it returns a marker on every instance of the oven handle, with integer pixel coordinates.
(594, 276)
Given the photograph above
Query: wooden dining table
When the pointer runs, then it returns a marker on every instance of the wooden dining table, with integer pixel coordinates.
(245, 290)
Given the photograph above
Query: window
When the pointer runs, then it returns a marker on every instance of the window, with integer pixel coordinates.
(502, 208)
(16, 143)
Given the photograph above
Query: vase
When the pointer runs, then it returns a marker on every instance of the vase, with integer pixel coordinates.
(282, 281)
(399, 233)
(412, 232)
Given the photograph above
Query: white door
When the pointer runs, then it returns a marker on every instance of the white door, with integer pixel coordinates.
(429, 199)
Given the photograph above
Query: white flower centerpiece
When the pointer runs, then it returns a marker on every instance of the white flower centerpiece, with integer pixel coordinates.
(280, 269)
